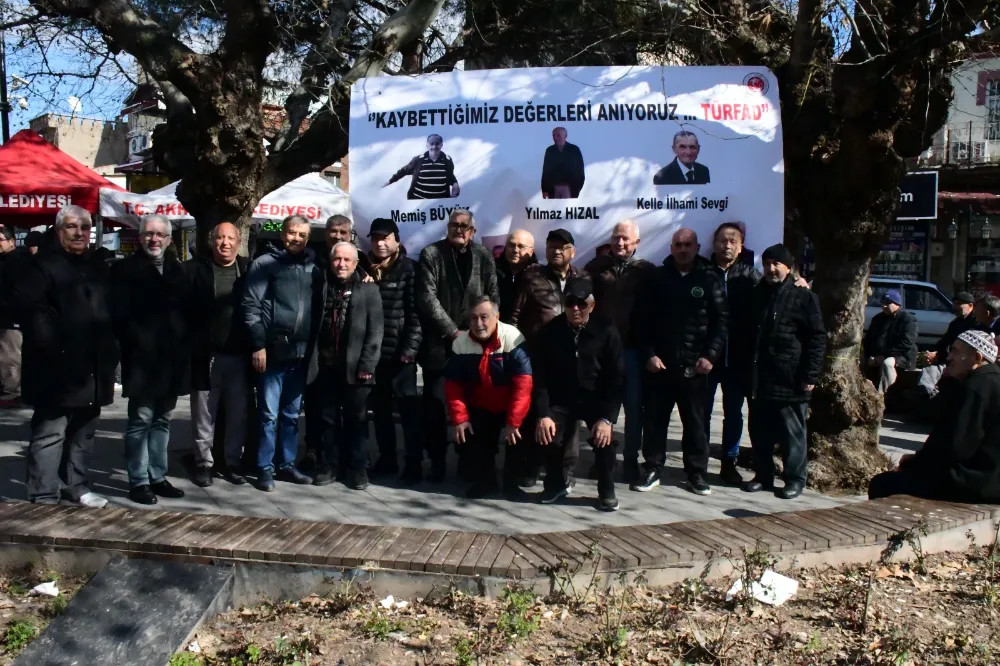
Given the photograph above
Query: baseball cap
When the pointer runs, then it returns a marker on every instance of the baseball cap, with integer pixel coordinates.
(964, 297)
(579, 287)
(384, 226)
(560, 235)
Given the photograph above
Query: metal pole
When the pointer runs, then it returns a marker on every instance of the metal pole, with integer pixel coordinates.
(5, 107)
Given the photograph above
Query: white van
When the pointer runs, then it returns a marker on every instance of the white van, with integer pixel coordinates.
(932, 308)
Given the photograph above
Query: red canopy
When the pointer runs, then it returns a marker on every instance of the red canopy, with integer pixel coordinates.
(37, 179)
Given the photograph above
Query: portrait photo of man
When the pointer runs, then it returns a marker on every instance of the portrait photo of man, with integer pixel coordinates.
(685, 169)
(432, 174)
(562, 169)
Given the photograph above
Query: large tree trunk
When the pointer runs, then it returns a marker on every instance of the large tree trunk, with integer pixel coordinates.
(846, 409)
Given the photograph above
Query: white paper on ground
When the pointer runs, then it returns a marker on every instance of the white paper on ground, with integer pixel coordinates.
(773, 589)
(48, 589)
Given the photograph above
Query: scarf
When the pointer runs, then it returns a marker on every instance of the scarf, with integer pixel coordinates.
(380, 268)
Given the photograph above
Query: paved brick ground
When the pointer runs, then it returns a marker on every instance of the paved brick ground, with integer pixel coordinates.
(432, 507)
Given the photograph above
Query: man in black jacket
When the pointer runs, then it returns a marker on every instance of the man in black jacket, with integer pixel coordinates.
(220, 360)
(518, 254)
(790, 342)
(396, 376)
(936, 359)
(563, 171)
(579, 376)
(449, 274)
(12, 263)
(63, 302)
(151, 311)
(960, 461)
(348, 348)
(891, 342)
(682, 323)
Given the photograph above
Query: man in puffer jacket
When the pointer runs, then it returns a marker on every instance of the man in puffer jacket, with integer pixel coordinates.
(281, 308)
(396, 377)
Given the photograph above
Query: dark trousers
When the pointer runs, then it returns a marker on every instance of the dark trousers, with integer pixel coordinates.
(911, 480)
(344, 414)
(396, 382)
(562, 454)
(527, 458)
(662, 391)
(783, 425)
(314, 418)
(484, 444)
(734, 392)
(59, 453)
(434, 416)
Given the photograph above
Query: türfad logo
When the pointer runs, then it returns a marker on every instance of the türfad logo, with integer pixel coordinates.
(756, 83)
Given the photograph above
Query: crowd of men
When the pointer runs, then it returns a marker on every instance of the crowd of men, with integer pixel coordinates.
(514, 353)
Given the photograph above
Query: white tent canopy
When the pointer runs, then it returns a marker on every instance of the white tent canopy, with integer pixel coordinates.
(311, 196)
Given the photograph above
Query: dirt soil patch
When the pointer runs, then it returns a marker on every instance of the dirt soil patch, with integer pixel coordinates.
(24, 615)
(943, 609)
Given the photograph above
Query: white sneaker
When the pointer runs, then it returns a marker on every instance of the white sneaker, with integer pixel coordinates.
(92, 501)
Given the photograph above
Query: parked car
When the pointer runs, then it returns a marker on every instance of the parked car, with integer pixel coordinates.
(932, 308)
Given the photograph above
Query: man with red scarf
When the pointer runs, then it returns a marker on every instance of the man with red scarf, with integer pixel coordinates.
(488, 391)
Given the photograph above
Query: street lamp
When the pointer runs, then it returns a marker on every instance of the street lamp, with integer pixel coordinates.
(953, 230)
(986, 231)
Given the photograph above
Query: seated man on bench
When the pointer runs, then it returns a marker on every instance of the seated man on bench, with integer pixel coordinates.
(960, 461)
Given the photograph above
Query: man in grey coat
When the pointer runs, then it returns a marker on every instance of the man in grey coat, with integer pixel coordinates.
(449, 274)
(343, 364)
(280, 308)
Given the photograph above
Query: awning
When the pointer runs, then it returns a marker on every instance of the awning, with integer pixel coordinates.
(986, 202)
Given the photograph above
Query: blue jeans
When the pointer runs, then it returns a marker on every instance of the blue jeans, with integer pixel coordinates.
(634, 371)
(147, 435)
(733, 394)
(279, 400)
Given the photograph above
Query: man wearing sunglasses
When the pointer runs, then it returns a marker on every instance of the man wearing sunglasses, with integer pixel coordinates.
(579, 375)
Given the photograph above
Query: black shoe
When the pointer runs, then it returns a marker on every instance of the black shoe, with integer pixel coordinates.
(164, 489)
(730, 475)
(696, 484)
(527, 481)
(756, 485)
(142, 495)
(553, 496)
(202, 477)
(265, 480)
(439, 470)
(324, 475)
(292, 475)
(607, 503)
(790, 491)
(412, 475)
(630, 471)
(358, 480)
(646, 481)
(384, 466)
(234, 476)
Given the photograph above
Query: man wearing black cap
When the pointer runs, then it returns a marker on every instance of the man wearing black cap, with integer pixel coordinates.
(540, 299)
(579, 375)
(396, 376)
(682, 319)
(936, 359)
(891, 342)
(789, 344)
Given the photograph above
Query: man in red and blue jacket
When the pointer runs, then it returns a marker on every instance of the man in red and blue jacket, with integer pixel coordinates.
(488, 391)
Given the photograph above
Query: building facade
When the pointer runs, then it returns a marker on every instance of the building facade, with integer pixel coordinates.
(97, 144)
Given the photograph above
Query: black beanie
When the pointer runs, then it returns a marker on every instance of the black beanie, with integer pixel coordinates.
(778, 253)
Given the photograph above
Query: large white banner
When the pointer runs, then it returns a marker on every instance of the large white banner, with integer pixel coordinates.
(574, 148)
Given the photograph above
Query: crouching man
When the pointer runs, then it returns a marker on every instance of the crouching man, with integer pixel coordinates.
(960, 461)
(579, 375)
(488, 389)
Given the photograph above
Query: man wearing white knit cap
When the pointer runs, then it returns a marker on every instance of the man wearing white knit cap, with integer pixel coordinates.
(960, 461)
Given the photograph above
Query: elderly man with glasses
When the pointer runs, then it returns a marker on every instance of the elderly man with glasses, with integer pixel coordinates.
(152, 297)
(450, 273)
(62, 301)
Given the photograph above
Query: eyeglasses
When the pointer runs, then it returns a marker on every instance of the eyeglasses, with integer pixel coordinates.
(561, 249)
(154, 235)
(460, 228)
(576, 302)
(519, 247)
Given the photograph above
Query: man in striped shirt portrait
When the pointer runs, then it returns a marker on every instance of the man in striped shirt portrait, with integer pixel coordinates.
(432, 175)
